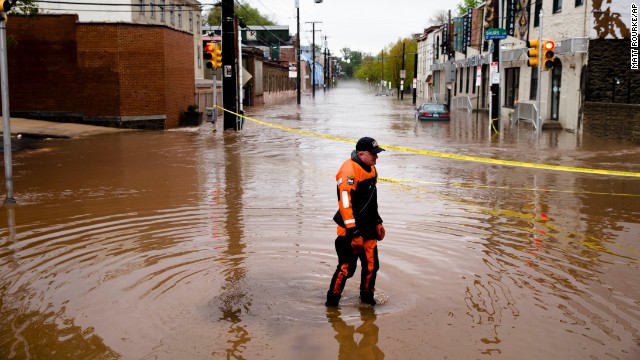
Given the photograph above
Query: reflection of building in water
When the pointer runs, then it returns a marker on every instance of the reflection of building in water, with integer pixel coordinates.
(367, 347)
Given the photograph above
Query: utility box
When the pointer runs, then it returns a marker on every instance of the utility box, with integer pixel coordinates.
(210, 115)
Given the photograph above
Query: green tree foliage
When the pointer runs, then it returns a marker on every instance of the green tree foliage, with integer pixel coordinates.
(388, 63)
(370, 69)
(350, 61)
(27, 7)
(465, 5)
(248, 14)
(395, 61)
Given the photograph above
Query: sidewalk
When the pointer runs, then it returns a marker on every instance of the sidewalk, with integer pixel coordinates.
(41, 128)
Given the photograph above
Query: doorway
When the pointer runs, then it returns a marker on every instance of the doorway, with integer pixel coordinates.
(556, 81)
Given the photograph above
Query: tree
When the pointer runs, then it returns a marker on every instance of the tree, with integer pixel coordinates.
(370, 69)
(466, 5)
(27, 7)
(350, 61)
(394, 62)
(248, 14)
(439, 17)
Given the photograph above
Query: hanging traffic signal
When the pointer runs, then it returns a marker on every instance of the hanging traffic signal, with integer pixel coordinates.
(217, 57)
(532, 53)
(208, 54)
(5, 6)
(548, 56)
(213, 55)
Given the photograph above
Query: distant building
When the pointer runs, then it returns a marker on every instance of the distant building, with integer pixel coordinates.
(592, 62)
(181, 15)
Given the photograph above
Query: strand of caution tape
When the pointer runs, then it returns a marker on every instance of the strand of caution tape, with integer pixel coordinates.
(493, 125)
(452, 156)
(422, 182)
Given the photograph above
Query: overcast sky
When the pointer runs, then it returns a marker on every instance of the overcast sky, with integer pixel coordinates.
(363, 25)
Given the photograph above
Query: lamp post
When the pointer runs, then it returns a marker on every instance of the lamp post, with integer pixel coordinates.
(298, 51)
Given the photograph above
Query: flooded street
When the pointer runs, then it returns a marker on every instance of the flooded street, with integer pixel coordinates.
(193, 244)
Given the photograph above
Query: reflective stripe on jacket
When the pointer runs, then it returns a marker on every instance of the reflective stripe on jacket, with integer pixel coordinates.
(357, 198)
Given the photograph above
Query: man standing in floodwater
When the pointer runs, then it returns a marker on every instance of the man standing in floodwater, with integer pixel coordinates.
(359, 224)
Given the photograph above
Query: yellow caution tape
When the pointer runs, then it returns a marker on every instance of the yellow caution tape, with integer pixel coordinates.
(452, 156)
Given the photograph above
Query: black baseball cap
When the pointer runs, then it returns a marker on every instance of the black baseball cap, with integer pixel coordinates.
(368, 144)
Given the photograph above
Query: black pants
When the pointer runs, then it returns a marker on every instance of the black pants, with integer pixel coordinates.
(347, 262)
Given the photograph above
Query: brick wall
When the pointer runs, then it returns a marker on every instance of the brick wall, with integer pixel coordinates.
(610, 59)
(123, 75)
(614, 121)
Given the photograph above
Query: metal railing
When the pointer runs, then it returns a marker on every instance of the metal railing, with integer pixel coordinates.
(525, 111)
(462, 102)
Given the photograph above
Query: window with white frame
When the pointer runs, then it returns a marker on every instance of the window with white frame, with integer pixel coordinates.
(172, 18)
(557, 6)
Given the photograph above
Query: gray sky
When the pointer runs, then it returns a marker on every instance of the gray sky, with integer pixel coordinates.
(363, 25)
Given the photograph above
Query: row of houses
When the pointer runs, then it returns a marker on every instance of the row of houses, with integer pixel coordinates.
(593, 63)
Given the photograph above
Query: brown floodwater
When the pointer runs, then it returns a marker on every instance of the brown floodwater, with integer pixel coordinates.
(194, 244)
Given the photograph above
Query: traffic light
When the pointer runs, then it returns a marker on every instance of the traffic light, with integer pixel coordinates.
(548, 56)
(217, 57)
(532, 53)
(5, 6)
(213, 55)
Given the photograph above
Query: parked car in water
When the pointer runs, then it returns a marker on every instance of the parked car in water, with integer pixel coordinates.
(432, 111)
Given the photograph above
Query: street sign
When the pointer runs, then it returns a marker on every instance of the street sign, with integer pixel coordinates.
(495, 34)
(403, 74)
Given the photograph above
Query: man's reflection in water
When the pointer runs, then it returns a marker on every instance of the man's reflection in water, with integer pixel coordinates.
(367, 348)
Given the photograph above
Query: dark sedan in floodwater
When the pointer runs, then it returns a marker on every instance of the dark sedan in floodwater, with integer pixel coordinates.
(432, 111)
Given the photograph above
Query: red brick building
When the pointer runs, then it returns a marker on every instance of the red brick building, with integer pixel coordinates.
(113, 74)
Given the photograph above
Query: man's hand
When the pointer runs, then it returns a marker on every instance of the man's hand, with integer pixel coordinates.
(357, 244)
(381, 232)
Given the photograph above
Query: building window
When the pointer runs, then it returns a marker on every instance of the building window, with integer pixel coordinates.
(180, 17)
(454, 85)
(141, 7)
(473, 88)
(152, 9)
(467, 85)
(191, 21)
(511, 87)
(536, 15)
(172, 18)
(557, 6)
(534, 83)
(579, 3)
(438, 47)
(461, 80)
(162, 7)
(199, 52)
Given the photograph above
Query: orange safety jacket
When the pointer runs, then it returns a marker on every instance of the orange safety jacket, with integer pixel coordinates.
(357, 198)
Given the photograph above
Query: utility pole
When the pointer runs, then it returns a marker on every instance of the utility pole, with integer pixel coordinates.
(313, 56)
(382, 72)
(298, 51)
(324, 87)
(229, 66)
(6, 133)
(402, 77)
(539, 85)
(415, 77)
(495, 88)
(449, 49)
